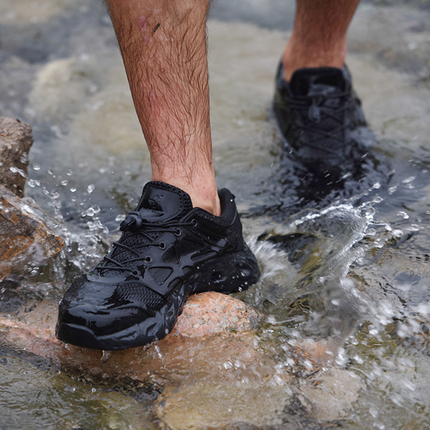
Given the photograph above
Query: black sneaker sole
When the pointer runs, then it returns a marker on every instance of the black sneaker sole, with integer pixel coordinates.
(230, 273)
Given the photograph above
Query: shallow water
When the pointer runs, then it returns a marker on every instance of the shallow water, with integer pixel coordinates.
(345, 265)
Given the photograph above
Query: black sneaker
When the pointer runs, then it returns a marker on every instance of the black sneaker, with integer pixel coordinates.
(168, 251)
(320, 117)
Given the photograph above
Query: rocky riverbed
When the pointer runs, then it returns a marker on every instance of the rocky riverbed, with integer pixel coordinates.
(213, 345)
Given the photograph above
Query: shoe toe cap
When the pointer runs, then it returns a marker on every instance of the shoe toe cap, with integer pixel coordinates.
(98, 307)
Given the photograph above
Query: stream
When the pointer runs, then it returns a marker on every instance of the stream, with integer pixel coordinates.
(342, 264)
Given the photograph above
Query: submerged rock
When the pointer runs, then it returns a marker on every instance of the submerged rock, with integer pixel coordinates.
(213, 369)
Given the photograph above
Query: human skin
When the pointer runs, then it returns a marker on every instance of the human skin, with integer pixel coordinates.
(319, 35)
(163, 45)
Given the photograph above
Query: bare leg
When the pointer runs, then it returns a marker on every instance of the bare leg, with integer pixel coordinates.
(163, 45)
(319, 35)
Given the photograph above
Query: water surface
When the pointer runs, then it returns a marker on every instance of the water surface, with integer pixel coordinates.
(345, 265)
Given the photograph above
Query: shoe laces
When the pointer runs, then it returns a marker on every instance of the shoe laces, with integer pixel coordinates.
(146, 234)
(315, 109)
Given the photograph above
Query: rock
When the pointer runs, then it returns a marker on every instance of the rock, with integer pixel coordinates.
(213, 370)
(212, 313)
(23, 12)
(24, 234)
(15, 142)
(39, 326)
(10, 299)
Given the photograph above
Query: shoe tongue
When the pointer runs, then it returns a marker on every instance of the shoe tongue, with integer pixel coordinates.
(162, 202)
(313, 81)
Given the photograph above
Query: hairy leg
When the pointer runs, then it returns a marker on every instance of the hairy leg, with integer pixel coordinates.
(319, 35)
(163, 45)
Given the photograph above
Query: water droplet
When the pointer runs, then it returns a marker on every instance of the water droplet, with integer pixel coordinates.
(358, 359)
(19, 171)
(90, 188)
(105, 356)
(408, 180)
(36, 167)
(392, 190)
(90, 212)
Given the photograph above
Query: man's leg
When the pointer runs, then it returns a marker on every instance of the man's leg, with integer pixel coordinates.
(319, 35)
(316, 108)
(170, 247)
(163, 44)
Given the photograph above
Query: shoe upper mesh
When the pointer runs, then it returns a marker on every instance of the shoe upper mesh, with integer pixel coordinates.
(139, 294)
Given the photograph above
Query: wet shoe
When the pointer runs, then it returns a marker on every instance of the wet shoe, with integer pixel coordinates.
(320, 117)
(168, 250)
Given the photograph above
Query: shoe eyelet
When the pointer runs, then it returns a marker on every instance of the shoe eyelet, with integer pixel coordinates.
(194, 222)
(178, 232)
(148, 259)
(135, 273)
(162, 245)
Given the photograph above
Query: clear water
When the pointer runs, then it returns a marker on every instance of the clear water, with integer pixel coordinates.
(348, 267)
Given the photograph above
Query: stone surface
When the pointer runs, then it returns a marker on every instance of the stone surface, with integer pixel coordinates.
(22, 11)
(213, 369)
(10, 299)
(212, 313)
(24, 234)
(15, 142)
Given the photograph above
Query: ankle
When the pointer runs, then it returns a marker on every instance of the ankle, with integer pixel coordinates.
(203, 193)
(209, 202)
(298, 55)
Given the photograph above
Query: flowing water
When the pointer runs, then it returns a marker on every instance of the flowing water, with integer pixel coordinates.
(344, 265)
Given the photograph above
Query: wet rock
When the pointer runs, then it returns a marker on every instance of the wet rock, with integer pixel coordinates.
(15, 142)
(24, 231)
(23, 11)
(10, 299)
(212, 313)
(25, 235)
(61, 87)
(212, 369)
(203, 404)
